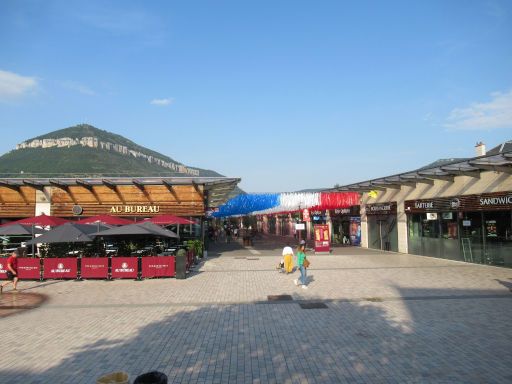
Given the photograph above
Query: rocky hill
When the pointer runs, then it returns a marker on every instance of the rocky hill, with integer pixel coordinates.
(86, 151)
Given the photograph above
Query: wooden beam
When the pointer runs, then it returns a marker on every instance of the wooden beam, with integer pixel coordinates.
(64, 187)
(14, 187)
(34, 185)
(142, 188)
(90, 188)
(171, 190)
(114, 188)
(198, 190)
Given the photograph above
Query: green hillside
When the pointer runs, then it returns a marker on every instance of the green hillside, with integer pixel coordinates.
(84, 161)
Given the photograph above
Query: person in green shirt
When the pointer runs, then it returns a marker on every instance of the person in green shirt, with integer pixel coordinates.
(301, 255)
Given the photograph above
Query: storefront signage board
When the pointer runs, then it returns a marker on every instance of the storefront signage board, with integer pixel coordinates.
(352, 211)
(322, 238)
(381, 209)
(484, 202)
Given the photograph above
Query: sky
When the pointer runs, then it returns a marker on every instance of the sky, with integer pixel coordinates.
(286, 95)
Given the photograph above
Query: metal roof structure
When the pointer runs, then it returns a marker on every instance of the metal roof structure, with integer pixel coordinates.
(498, 162)
(217, 188)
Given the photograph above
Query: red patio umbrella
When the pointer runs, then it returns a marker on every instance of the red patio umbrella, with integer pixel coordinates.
(105, 219)
(41, 220)
(169, 219)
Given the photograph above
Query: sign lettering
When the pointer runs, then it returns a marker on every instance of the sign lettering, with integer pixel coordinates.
(135, 209)
(502, 200)
(424, 204)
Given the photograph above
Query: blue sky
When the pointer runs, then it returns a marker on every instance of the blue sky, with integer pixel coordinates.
(287, 95)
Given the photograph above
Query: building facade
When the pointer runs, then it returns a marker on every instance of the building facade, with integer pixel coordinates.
(460, 210)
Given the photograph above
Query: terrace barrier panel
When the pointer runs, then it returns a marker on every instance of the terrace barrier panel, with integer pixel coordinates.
(29, 268)
(158, 266)
(94, 268)
(125, 267)
(60, 268)
(3, 268)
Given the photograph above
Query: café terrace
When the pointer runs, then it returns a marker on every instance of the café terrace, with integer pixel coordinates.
(135, 199)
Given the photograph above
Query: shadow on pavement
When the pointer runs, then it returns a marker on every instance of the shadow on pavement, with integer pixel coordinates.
(283, 343)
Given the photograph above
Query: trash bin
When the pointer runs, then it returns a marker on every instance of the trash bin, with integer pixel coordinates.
(114, 378)
(181, 264)
(154, 377)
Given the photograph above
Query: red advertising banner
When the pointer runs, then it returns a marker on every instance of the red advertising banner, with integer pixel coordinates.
(322, 238)
(29, 268)
(3, 268)
(125, 267)
(94, 268)
(158, 266)
(60, 268)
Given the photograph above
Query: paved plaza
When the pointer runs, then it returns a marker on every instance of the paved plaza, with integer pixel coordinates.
(367, 317)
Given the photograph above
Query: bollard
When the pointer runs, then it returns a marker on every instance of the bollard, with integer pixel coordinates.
(154, 377)
(181, 264)
(114, 378)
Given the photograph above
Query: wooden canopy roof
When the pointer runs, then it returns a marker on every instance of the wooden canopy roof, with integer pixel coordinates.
(176, 195)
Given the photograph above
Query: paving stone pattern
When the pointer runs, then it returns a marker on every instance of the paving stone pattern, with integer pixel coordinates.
(390, 318)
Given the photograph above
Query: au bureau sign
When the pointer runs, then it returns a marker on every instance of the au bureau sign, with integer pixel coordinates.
(135, 209)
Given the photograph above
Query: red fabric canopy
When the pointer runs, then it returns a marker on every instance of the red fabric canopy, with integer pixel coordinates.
(105, 219)
(169, 219)
(42, 220)
(333, 200)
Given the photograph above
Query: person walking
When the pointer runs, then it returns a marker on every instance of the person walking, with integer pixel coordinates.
(12, 272)
(288, 258)
(301, 256)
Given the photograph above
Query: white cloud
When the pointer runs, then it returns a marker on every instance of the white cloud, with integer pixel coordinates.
(83, 89)
(494, 114)
(13, 85)
(162, 102)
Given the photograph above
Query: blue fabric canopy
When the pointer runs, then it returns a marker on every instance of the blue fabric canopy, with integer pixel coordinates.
(245, 204)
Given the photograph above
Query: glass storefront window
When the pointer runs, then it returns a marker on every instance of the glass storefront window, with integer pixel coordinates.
(449, 226)
(415, 225)
(430, 228)
(497, 229)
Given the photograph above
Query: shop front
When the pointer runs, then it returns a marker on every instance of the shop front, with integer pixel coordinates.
(471, 228)
(342, 220)
(382, 226)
